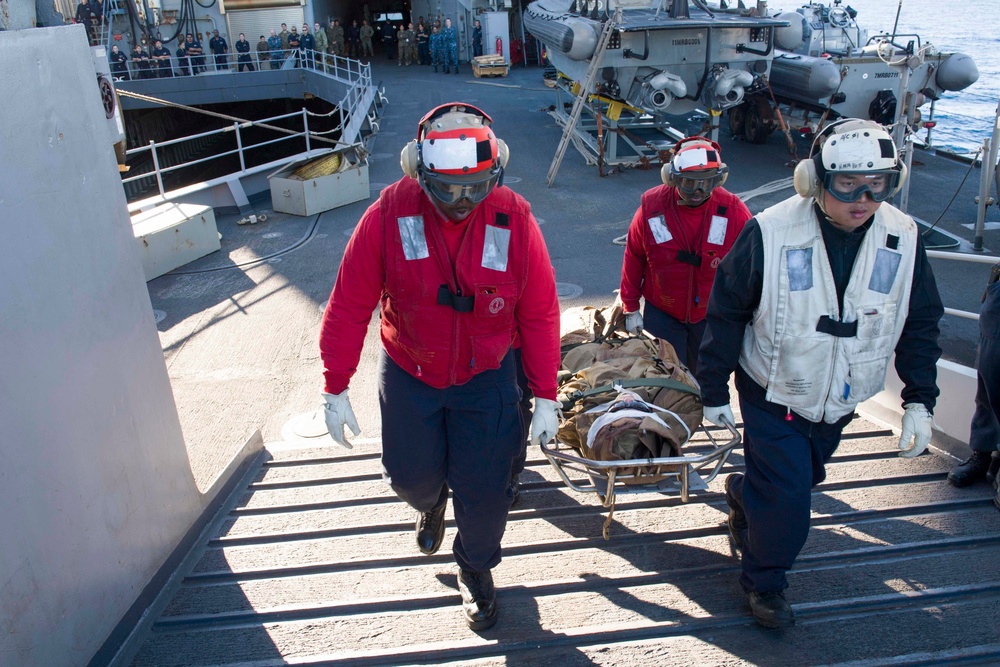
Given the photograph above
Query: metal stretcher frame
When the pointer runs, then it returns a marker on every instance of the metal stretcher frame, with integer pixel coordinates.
(610, 475)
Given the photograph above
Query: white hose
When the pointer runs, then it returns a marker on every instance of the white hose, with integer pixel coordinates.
(766, 189)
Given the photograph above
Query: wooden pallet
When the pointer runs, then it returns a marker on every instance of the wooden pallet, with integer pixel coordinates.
(489, 66)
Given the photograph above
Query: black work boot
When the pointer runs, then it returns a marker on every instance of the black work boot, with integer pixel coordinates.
(770, 609)
(515, 488)
(435, 69)
(737, 521)
(971, 470)
(430, 529)
(479, 598)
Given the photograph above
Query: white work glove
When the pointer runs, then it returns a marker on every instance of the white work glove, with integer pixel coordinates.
(338, 413)
(720, 416)
(917, 422)
(633, 323)
(544, 420)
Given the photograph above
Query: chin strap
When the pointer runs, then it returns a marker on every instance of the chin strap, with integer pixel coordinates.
(818, 198)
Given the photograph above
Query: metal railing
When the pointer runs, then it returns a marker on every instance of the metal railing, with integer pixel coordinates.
(154, 149)
(962, 257)
(353, 72)
(339, 67)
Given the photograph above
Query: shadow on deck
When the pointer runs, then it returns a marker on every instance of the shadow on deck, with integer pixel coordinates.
(313, 562)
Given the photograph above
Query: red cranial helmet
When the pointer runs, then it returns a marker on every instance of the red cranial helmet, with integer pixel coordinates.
(696, 164)
(456, 154)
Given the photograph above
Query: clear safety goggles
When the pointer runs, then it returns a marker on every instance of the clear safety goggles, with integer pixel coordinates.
(450, 189)
(850, 187)
(691, 184)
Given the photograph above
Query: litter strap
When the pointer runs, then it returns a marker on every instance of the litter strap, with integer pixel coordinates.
(668, 383)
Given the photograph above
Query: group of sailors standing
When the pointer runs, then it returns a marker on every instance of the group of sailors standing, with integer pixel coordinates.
(423, 44)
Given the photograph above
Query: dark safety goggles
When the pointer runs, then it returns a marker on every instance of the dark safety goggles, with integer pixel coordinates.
(450, 189)
(689, 185)
(850, 187)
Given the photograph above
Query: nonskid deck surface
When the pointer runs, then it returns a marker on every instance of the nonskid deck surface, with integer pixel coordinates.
(315, 562)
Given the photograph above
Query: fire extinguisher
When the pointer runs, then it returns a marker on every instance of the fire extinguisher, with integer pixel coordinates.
(499, 47)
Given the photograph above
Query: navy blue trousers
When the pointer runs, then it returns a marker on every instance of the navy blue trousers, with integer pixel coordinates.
(524, 407)
(686, 338)
(784, 460)
(466, 438)
(985, 432)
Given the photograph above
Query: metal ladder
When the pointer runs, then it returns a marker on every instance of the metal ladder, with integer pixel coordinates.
(581, 98)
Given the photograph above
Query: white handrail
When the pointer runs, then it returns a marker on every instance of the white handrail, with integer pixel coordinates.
(962, 257)
(354, 72)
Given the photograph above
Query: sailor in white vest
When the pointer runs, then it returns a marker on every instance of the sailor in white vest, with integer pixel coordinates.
(807, 309)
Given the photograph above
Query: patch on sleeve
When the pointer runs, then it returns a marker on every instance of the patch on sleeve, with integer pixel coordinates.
(884, 271)
(799, 264)
(658, 226)
(495, 246)
(411, 233)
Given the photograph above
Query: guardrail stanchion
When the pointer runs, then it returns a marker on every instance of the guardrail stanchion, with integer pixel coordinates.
(239, 146)
(156, 167)
(305, 125)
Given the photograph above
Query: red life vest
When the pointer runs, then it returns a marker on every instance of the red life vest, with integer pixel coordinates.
(681, 269)
(444, 324)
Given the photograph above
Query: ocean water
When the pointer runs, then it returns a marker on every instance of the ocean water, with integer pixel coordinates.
(972, 27)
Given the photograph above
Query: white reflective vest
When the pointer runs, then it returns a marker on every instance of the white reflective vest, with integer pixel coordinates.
(797, 346)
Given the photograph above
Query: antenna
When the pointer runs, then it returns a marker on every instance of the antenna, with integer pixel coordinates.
(899, 8)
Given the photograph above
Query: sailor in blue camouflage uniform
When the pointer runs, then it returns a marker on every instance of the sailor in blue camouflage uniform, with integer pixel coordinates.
(277, 54)
(449, 47)
(434, 44)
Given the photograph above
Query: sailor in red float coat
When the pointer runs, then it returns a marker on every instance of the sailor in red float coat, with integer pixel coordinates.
(677, 238)
(433, 342)
(460, 270)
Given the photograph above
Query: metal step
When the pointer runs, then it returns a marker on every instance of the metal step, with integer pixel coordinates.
(313, 562)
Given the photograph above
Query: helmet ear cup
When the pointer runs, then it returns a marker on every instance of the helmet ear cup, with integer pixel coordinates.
(903, 175)
(409, 159)
(503, 153)
(805, 180)
(666, 175)
(724, 170)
